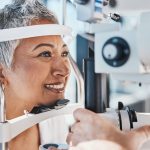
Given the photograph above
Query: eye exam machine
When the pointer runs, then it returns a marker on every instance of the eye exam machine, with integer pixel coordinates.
(113, 43)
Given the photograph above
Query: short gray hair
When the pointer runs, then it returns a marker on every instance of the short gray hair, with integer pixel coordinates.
(18, 14)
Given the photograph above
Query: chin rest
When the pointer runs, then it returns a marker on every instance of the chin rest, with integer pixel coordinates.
(43, 108)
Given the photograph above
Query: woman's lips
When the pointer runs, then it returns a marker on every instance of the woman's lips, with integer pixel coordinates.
(56, 87)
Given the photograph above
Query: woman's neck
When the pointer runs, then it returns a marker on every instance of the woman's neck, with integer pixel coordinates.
(16, 108)
(29, 139)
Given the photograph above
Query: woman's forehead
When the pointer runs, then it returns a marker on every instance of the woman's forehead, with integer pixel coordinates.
(36, 42)
(53, 39)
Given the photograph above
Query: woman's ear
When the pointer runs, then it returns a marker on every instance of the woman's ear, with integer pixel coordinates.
(2, 76)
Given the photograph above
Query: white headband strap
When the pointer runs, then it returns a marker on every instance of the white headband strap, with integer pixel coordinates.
(33, 31)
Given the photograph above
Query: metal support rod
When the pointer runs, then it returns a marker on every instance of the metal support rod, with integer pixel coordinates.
(4, 146)
(80, 81)
(64, 11)
(2, 106)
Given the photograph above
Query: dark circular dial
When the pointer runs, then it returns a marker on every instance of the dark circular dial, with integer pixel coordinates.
(116, 51)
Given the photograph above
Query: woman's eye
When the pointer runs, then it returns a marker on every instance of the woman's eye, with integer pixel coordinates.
(65, 54)
(45, 54)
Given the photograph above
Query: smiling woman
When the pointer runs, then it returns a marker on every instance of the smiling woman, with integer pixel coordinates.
(44, 68)
(33, 71)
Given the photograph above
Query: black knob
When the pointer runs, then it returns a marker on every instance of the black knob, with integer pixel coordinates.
(120, 106)
(82, 2)
(116, 51)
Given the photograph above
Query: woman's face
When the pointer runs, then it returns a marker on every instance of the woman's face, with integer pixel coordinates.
(40, 70)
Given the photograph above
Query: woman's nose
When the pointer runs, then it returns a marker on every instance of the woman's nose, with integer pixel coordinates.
(61, 68)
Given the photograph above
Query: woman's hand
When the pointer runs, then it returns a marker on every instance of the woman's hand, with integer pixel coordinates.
(90, 126)
(97, 144)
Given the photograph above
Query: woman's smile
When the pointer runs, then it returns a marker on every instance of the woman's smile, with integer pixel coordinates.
(57, 87)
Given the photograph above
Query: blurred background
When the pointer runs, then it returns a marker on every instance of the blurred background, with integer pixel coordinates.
(130, 93)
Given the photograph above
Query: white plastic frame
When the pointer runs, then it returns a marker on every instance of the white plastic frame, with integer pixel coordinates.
(33, 31)
(11, 128)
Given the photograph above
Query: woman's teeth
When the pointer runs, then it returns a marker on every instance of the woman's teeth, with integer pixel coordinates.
(54, 86)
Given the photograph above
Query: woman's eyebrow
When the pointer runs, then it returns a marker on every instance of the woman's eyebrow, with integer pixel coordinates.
(64, 45)
(44, 44)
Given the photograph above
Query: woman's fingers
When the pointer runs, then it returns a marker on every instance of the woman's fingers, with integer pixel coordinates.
(82, 114)
(68, 139)
(141, 135)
